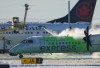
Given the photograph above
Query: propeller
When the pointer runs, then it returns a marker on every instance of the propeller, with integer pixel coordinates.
(87, 38)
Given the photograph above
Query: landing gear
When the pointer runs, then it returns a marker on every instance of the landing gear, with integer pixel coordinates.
(51, 53)
(12, 54)
(20, 56)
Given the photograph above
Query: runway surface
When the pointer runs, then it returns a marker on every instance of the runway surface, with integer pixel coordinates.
(54, 61)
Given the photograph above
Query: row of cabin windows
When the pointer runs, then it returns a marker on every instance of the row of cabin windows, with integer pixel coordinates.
(23, 33)
(36, 32)
(64, 43)
(32, 28)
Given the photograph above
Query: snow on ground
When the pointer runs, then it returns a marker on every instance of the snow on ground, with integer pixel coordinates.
(54, 61)
(57, 63)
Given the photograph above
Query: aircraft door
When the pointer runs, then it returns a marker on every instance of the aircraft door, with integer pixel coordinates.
(5, 45)
(8, 44)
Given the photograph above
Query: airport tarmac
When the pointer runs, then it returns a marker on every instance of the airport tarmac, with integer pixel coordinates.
(57, 63)
(53, 61)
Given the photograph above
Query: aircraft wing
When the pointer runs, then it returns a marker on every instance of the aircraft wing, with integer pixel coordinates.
(53, 33)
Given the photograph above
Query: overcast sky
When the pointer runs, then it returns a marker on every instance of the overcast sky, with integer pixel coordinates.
(39, 9)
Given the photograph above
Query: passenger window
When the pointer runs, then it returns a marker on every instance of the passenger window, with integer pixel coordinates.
(28, 32)
(49, 43)
(78, 42)
(72, 42)
(37, 32)
(33, 28)
(75, 42)
(30, 28)
(9, 32)
(30, 41)
(43, 32)
(36, 28)
(59, 43)
(27, 41)
(63, 43)
(26, 28)
(46, 32)
(9, 27)
(31, 32)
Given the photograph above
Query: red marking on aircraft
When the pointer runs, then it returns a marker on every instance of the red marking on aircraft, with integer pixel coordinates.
(84, 10)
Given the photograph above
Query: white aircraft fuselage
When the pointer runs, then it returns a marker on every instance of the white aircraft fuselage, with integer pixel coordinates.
(33, 29)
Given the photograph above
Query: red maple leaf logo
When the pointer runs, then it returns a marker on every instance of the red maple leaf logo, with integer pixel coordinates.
(84, 11)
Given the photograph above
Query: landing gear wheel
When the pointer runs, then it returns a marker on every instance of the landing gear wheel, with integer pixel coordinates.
(20, 56)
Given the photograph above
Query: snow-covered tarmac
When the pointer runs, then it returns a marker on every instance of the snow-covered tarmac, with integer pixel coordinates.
(54, 61)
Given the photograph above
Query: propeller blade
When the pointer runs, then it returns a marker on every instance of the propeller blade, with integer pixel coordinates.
(90, 41)
(85, 33)
(87, 46)
(87, 38)
(87, 30)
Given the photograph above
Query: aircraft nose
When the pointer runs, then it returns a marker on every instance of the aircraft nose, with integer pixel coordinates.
(12, 52)
(14, 49)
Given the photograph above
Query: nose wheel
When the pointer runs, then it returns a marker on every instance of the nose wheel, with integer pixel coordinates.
(20, 56)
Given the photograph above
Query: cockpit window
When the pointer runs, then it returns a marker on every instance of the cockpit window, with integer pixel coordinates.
(30, 41)
(24, 41)
(27, 41)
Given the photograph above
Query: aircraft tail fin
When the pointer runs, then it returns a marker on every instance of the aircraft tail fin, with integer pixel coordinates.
(82, 12)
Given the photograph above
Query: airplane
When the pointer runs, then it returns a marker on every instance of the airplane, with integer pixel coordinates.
(57, 44)
(80, 17)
